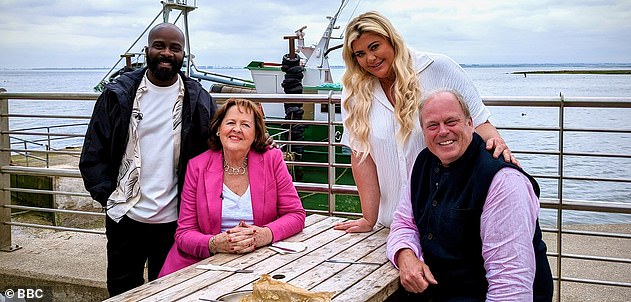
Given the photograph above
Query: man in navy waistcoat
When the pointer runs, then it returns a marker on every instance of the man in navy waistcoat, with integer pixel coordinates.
(469, 230)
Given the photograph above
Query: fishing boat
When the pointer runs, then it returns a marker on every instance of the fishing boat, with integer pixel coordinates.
(267, 77)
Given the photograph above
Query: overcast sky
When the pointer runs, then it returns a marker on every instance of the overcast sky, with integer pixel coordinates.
(93, 33)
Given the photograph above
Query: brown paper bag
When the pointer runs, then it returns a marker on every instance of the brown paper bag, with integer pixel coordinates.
(267, 289)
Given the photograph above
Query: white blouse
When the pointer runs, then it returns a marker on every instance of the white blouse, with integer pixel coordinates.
(235, 208)
(393, 161)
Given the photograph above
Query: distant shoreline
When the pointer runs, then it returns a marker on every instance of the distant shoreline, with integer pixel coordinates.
(578, 71)
(528, 67)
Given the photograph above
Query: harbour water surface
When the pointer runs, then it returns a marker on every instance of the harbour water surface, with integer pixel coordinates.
(496, 80)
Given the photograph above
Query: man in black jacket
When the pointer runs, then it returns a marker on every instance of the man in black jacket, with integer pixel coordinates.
(145, 127)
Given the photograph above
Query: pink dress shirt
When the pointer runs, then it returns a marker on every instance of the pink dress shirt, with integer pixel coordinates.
(507, 226)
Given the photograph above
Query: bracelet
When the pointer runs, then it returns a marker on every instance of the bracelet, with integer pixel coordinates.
(213, 246)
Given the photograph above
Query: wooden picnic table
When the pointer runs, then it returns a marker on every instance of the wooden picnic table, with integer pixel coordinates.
(308, 269)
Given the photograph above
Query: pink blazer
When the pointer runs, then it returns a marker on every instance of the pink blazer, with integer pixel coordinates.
(275, 204)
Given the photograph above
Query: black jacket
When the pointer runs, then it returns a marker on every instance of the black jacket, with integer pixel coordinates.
(108, 131)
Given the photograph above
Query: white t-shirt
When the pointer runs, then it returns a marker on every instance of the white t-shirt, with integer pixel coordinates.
(158, 180)
(394, 162)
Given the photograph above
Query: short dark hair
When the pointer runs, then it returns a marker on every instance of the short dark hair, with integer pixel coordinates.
(244, 105)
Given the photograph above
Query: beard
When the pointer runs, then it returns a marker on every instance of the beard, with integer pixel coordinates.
(164, 74)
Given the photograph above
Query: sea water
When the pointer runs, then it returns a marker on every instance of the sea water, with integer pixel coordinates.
(497, 80)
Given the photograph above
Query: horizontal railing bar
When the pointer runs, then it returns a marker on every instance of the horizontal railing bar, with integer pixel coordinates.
(535, 101)
(76, 117)
(324, 188)
(597, 178)
(49, 210)
(304, 143)
(278, 98)
(531, 101)
(334, 213)
(588, 233)
(52, 227)
(42, 133)
(317, 164)
(48, 192)
(41, 171)
(50, 96)
(571, 153)
(580, 205)
(556, 129)
(301, 122)
(595, 154)
(49, 127)
(61, 152)
(596, 282)
(589, 257)
(306, 164)
(549, 176)
(596, 258)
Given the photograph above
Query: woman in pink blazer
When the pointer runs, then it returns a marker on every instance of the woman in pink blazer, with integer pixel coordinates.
(238, 195)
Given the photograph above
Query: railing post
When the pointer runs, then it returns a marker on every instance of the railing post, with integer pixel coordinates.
(331, 173)
(560, 195)
(5, 179)
(48, 147)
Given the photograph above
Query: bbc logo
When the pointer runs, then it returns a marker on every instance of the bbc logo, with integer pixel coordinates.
(26, 294)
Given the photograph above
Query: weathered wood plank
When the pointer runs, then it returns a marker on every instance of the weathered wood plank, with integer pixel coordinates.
(273, 264)
(377, 286)
(319, 278)
(162, 284)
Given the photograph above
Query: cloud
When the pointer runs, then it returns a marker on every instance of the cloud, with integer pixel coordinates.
(93, 33)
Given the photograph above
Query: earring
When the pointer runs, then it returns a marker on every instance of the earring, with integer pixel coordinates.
(217, 133)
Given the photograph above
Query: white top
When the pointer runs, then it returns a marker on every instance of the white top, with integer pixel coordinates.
(394, 162)
(235, 208)
(158, 178)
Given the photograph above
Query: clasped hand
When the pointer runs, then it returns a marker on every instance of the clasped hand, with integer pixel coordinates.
(243, 238)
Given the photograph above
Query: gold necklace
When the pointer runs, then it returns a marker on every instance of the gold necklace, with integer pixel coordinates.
(236, 170)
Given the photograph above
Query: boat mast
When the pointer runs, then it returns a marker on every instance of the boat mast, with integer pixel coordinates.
(318, 57)
(184, 8)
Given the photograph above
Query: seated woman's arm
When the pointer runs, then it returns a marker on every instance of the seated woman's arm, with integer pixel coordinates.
(188, 235)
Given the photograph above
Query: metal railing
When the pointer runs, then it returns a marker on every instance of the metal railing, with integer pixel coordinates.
(331, 188)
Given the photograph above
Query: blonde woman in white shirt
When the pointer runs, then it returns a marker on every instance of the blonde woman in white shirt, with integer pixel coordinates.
(382, 87)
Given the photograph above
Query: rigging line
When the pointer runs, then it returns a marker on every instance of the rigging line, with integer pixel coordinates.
(349, 17)
(132, 46)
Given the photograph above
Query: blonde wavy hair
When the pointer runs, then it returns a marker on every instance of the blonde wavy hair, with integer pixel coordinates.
(359, 83)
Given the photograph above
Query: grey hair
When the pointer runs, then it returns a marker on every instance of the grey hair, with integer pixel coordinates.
(459, 97)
